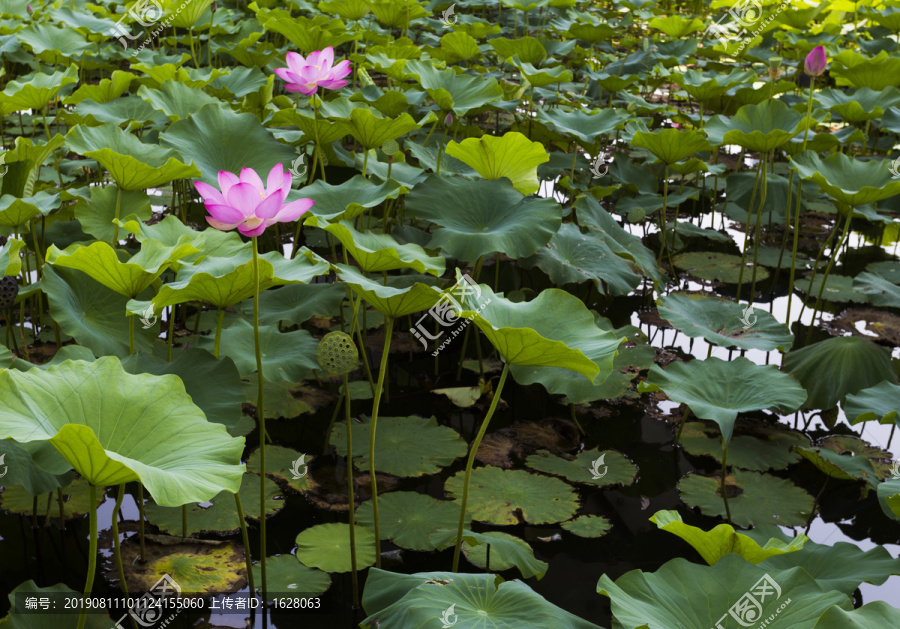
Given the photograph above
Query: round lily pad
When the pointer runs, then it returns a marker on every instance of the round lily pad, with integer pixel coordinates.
(406, 446)
(720, 267)
(590, 467)
(285, 574)
(764, 499)
(285, 465)
(407, 518)
(849, 444)
(221, 516)
(76, 498)
(495, 495)
(327, 547)
(588, 526)
(770, 451)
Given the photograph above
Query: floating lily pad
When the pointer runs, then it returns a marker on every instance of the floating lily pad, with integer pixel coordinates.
(763, 499)
(853, 445)
(285, 574)
(47, 619)
(721, 267)
(588, 526)
(612, 467)
(765, 450)
(327, 547)
(221, 515)
(496, 495)
(408, 518)
(406, 446)
(838, 288)
(76, 497)
(845, 467)
(281, 464)
(878, 290)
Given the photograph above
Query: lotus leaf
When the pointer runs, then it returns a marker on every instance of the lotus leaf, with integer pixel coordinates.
(286, 574)
(327, 547)
(513, 156)
(589, 467)
(408, 518)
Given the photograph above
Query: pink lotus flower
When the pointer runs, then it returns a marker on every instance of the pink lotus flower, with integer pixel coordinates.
(815, 61)
(248, 205)
(306, 75)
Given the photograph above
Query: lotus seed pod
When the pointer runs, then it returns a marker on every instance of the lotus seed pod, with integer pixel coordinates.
(636, 215)
(390, 147)
(337, 353)
(9, 289)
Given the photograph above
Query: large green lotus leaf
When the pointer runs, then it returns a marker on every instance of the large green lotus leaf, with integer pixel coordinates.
(207, 137)
(407, 518)
(76, 497)
(372, 131)
(100, 261)
(380, 252)
(766, 449)
(306, 34)
(881, 403)
(876, 73)
(722, 322)
(526, 48)
(36, 91)
(402, 296)
(104, 91)
(506, 551)
(542, 77)
(54, 45)
(130, 110)
(296, 303)
(718, 389)
(214, 385)
(478, 218)
(671, 145)
(327, 547)
(685, 595)
(92, 314)
(155, 433)
(875, 614)
(17, 212)
(676, 26)
(764, 499)
(889, 498)
(280, 465)
(133, 164)
(10, 260)
(838, 288)
(588, 128)
(715, 266)
(859, 105)
(841, 466)
(175, 99)
(218, 515)
(225, 281)
(170, 231)
(836, 367)
(702, 87)
(186, 15)
(722, 540)
(512, 155)
(47, 619)
(400, 601)
(612, 467)
(97, 215)
(878, 290)
(287, 356)
(842, 567)
(20, 468)
(762, 127)
(574, 257)
(459, 93)
(846, 179)
(22, 163)
(329, 130)
(285, 574)
(333, 202)
(353, 10)
(497, 495)
(406, 446)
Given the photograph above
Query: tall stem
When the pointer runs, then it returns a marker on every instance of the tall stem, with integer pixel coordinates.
(351, 495)
(472, 452)
(115, 531)
(141, 519)
(115, 238)
(318, 144)
(756, 237)
(722, 482)
(799, 200)
(388, 330)
(261, 416)
(218, 332)
(131, 334)
(759, 171)
(92, 556)
(834, 254)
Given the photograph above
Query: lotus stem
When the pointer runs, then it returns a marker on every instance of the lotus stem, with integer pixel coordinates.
(437, 170)
(115, 238)
(662, 217)
(170, 334)
(722, 482)
(62, 508)
(115, 532)
(131, 334)
(318, 145)
(261, 416)
(471, 461)
(219, 320)
(92, 556)
(248, 559)
(834, 254)
(388, 329)
(740, 285)
(351, 494)
(687, 412)
(141, 520)
(756, 237)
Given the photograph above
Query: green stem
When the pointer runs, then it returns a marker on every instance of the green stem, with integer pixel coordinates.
(471, 461)
(261, 416)
(759, 169)
(351, 495)
(115, 238)
(218, 332)
(169, 335)
(131, 334)
(141, 520)
(797, 211)
(834, 254)
(92, 556)
(248, 559)
(722, 483)
(687, 412)
(756, 237)
(115, 531)
(318, 147)
(388, 330)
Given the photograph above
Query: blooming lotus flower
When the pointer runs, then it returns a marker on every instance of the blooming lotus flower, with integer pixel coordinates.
(244, 202)
(815, 61)
(306, 75)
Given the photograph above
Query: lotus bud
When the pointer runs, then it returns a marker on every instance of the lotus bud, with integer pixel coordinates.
(9, 290)
(214, 6)
(636, 215)
(774, 67)
(337, 353)
(28, 9)
(390, 148)
(815, 62)
(645, 44)
(448, 120)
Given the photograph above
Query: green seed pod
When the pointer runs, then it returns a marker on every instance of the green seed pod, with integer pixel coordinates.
(390, 147)
(636, 215)
(337, 353)
(9, 289)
